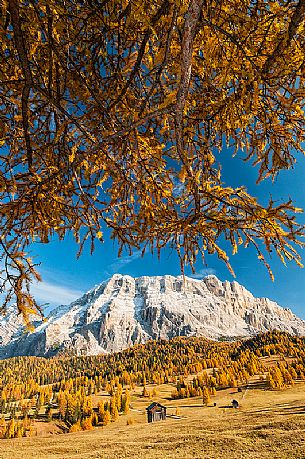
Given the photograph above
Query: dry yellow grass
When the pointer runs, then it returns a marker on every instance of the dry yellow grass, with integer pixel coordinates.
(267, 425)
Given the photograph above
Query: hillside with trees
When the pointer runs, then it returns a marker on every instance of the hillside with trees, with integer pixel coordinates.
(80, 393)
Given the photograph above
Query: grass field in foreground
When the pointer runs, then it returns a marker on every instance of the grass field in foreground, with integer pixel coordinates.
(268, 424)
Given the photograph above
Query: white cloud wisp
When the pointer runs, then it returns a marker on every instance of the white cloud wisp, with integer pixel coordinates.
(202, 273)
(47, 292)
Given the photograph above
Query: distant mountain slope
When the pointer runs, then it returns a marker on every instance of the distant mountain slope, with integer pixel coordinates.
(123, 311)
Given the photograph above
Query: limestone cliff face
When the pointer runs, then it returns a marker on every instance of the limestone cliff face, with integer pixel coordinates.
(123, 311)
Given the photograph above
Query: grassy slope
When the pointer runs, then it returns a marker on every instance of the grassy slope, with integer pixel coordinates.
(267, 425)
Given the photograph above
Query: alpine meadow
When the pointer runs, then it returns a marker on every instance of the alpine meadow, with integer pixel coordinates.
(117, 121)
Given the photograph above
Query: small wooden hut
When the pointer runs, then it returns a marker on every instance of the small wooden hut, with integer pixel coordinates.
(235, 404)
(156, 412)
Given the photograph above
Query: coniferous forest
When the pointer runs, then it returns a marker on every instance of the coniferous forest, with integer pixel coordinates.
(63, 388)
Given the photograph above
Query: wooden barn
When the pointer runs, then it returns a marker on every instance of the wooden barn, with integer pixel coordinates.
(156, 412)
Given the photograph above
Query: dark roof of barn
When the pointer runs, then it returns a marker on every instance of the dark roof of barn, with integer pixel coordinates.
(154, 405)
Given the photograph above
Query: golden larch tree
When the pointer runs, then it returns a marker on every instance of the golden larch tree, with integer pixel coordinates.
(113, 114)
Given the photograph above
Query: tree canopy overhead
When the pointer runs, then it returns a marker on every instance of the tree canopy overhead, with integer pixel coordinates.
(113, 112)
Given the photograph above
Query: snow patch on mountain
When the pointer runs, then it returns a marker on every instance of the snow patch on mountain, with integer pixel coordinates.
(123, 311)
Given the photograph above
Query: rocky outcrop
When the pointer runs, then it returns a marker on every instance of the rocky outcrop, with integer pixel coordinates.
(123, 311)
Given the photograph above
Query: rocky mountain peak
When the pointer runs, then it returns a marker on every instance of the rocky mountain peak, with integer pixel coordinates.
(123, 310)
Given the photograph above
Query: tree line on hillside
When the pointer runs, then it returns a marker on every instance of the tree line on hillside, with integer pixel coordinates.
(63, 387)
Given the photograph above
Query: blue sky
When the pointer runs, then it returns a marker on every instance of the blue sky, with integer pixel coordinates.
(65, 278)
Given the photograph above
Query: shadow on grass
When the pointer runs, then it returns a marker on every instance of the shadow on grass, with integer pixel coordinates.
(282, 411)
